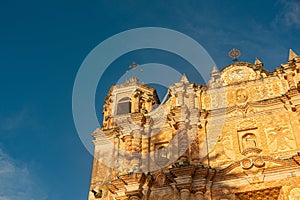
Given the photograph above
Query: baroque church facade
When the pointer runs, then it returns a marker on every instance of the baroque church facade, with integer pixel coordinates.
(238, 137)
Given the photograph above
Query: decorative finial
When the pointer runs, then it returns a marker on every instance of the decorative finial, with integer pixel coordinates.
(257, 61)
(234, 53)
(133, 80)
(214, 70)
(184, 79)
(292, 55)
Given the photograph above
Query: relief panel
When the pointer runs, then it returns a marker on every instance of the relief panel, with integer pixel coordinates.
(280, 139)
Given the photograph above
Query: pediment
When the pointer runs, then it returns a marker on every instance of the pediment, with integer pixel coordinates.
(237, 73)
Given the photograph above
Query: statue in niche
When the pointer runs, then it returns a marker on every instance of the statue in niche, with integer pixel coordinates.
(249, 141)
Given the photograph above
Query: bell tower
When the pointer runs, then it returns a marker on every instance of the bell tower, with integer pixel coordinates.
(118, 143)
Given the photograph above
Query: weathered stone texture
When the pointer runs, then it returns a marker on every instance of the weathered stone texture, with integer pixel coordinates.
(238, 137)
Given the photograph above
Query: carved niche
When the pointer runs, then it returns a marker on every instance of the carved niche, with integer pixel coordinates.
(162, 154)
(248, 135)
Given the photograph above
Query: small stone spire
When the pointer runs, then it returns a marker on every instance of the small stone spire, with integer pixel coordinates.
(184, 79)
(214, 72)
(257, 61)
(292, 55)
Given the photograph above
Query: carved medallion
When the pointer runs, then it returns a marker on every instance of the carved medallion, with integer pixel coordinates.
(241, 96)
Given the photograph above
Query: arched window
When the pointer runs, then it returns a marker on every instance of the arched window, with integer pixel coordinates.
(124, 106)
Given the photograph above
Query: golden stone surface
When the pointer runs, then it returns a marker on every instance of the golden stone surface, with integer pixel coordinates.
(238, 137)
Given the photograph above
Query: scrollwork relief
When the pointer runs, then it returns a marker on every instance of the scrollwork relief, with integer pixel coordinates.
(280, 139)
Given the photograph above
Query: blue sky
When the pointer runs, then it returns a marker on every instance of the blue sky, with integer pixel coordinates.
(43, 43)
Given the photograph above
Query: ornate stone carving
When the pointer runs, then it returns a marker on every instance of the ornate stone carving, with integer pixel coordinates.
(246, 163)
(240, 72)
(236, 137)
(162, 156)
(247, 124)
(218, 100)
(271, 193)
(258, 162)
(294, 194)
(280, 139)
(224, 149)
(241, 96)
